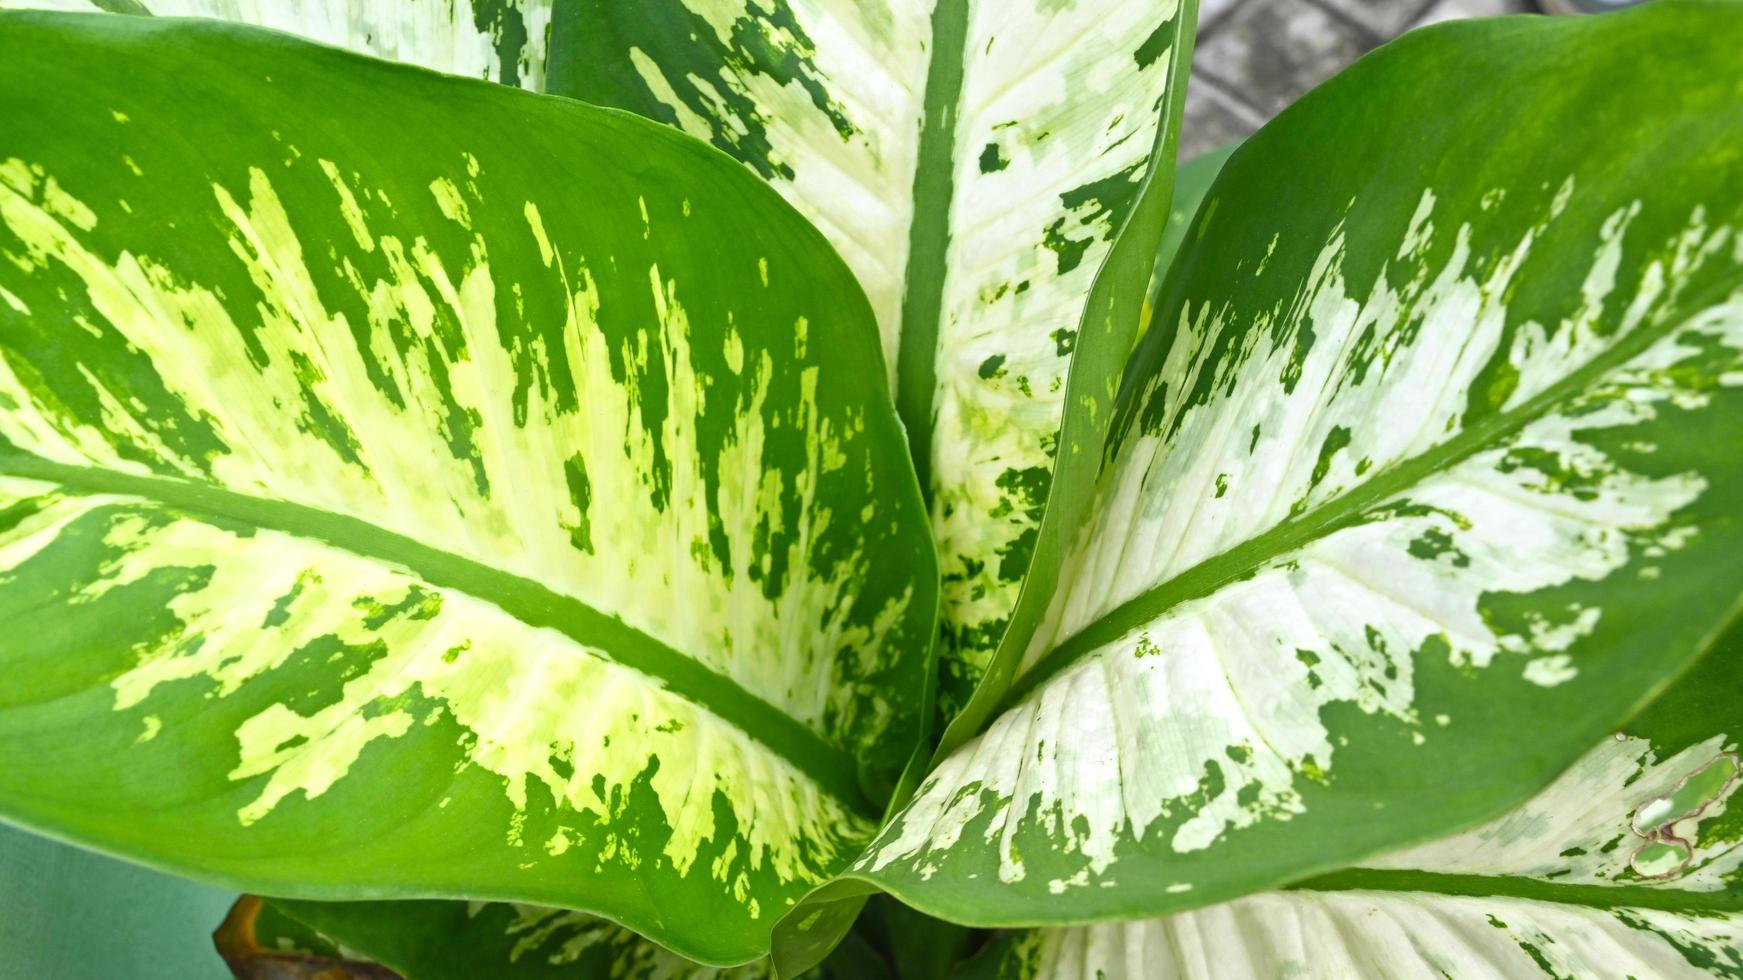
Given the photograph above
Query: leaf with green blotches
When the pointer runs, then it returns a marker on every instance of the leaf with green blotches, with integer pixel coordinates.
(503, 41)
(1337, 935)
(1423, 480)
(1561, 885)
(380, 518)
(997, 174)
(1192, 181)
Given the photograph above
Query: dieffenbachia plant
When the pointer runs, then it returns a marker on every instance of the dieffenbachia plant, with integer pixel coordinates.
(996, 175)
(418, 489)
(1397, 477)
(383, 517)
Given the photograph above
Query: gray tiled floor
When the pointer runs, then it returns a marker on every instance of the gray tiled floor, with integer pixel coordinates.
(1256, 56)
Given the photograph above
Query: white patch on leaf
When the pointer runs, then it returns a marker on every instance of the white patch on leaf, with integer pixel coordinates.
(1581, 829)
(1337, 935)
(1206, 718)
(1060, 110)
(636, 553)
(441, 34)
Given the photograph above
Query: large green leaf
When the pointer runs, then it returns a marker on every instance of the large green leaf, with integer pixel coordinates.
(996, 172)
(384, 518)
(1627, 865)
(500, 40)
(1425, 478)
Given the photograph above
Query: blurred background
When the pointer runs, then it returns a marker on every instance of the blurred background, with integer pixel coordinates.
(68, 914)
(1256, 56)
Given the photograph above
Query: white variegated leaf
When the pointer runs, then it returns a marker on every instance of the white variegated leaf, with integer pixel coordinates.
(1405, 475)
(1391, 935)
(1619, 816)
(498, 40)
(1626, 866)
(378, 519)
(975, 162)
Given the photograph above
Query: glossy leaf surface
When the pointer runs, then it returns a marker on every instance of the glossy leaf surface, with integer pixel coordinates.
(378, 518)
(996, 172)
(497, 40)
(1423, 481)
(1192, 182)
(1404, 935)
(1627, 865)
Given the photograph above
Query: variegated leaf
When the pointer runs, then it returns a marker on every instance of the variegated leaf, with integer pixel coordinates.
(498, 40)
(1425, 478)
(1192, 181)
(1395, 935)
(1626, 866)
(379, 518)
(996, 172)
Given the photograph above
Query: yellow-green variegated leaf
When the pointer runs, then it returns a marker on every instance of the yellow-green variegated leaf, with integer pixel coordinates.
(498, 40)
(1425, 478)
(382, 517)
(1626, 866)
(1649, 815)
(997, 173)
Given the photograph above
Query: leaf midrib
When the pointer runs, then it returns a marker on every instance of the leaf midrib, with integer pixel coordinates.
(1514, 886)
(834, 769)
(1251, 556)
(929, 234)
